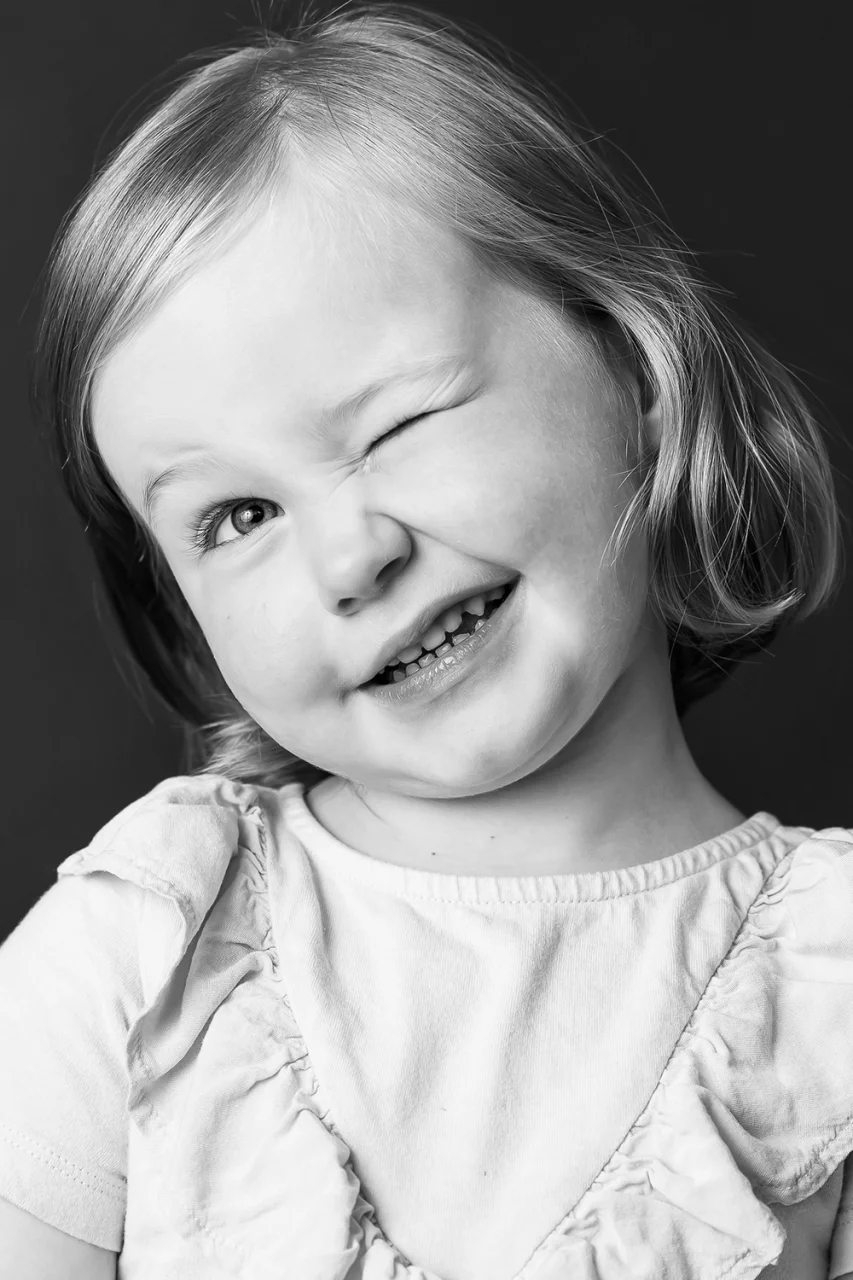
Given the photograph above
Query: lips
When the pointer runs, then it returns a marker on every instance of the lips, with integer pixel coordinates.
(404, 639)
(469, 622)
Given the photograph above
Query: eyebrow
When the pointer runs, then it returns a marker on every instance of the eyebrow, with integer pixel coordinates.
(330, 420)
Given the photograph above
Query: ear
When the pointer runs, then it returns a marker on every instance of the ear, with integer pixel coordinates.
(632, 371)
(650, 425)
(619, 349)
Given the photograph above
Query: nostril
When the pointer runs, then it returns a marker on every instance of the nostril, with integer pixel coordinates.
(390, 570)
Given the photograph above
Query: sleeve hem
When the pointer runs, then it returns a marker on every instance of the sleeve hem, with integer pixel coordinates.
(83, 1202)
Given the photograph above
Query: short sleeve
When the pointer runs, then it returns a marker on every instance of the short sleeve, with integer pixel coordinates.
(69, 989)
(841, 1248)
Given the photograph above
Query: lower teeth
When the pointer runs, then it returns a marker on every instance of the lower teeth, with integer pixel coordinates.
(393, 675)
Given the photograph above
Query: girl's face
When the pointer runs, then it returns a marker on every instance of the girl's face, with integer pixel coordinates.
(517, 466)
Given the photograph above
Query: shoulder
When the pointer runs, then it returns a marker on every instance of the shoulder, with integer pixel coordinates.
(126, 907)
(177, 840)
(174, 843)
(812, 889)
(793, 954)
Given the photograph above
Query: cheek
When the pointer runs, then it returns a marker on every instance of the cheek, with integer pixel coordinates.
(487, 494)
(531, 489)
(256, 647)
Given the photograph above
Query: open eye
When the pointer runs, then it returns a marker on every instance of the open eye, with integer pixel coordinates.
(206, 527)
(244, 518)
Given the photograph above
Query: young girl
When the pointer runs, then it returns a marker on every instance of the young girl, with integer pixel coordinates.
(431, 485)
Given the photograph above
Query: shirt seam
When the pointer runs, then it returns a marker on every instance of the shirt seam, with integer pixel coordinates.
(68, 1169)
(569, 902)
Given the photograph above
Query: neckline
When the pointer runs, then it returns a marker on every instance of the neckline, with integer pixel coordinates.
(753, 834)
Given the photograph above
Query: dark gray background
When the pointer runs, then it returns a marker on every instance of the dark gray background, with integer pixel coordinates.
(737, 117)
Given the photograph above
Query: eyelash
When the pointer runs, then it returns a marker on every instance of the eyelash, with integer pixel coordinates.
(203, 527)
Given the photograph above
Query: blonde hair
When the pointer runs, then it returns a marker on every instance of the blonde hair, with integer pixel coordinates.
(737, 505)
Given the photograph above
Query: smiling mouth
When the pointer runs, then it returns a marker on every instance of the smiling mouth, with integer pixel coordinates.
(397, 671)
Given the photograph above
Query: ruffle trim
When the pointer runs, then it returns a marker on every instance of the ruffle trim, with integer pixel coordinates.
(687, 1194)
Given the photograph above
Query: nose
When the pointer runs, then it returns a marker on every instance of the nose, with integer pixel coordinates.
(354, 553)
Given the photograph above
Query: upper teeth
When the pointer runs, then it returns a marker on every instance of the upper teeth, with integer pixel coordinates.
(448, 621)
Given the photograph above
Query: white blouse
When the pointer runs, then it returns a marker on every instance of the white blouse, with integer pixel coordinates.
(234, 1046)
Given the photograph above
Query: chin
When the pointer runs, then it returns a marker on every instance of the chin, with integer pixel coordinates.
(474, 773)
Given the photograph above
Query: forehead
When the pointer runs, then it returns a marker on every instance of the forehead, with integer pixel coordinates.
(321, 293)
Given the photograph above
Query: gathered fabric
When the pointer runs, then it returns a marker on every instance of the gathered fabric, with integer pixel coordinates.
(343, 1069)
